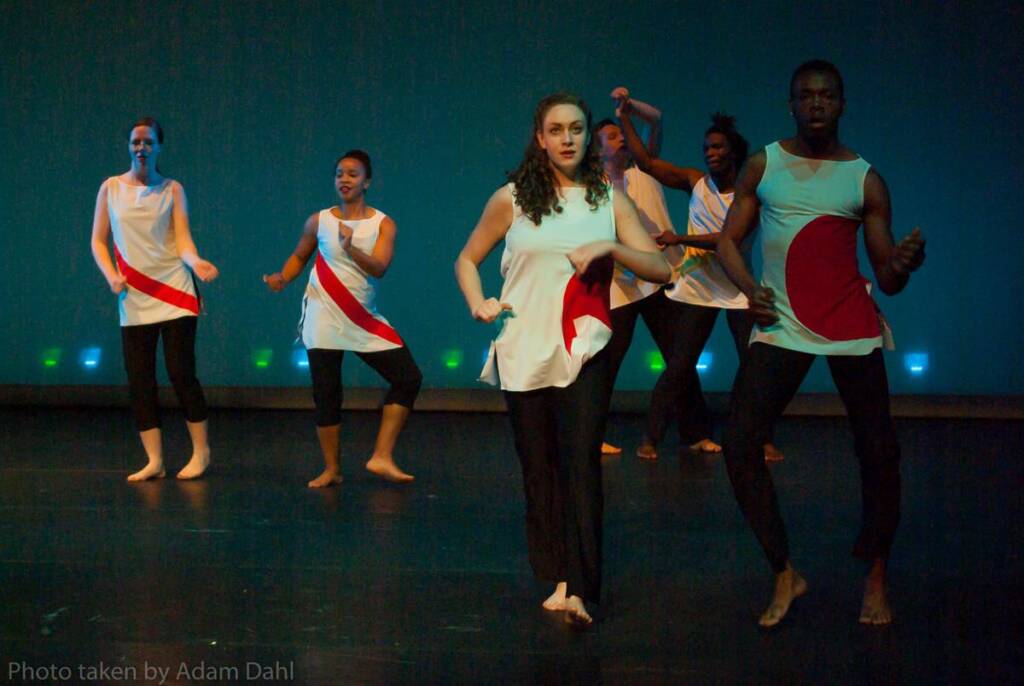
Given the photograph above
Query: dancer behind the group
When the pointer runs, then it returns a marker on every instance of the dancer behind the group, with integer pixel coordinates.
(631, 296)
(354, 244)
(157, 296)
(562, 225)
(701, 289)
(811, 194)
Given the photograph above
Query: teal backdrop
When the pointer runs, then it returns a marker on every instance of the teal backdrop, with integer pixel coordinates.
(257, 99)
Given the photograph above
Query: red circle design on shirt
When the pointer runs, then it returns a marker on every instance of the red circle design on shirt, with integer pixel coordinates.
(825, 289)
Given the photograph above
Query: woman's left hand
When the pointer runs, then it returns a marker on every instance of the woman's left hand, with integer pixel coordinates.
(205, 270)
(584, 256)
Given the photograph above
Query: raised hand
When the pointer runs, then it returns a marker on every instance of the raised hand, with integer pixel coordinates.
(621, 97)
(762, 306)
(345, 232)
(490, 309)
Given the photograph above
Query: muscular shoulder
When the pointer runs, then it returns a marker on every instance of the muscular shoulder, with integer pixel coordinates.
(752, 171)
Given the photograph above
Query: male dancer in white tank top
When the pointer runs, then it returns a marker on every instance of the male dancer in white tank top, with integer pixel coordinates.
(811, 194)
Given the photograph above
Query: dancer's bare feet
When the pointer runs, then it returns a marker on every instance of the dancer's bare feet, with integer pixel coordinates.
(706, 445)
(556, 601)
(576, 613)
(153, 470)
(875, 609)
(328, 478)
(196, 466)
(609, 449)
(788, 587)
(386, 469)
(772, 454)
(647, 451)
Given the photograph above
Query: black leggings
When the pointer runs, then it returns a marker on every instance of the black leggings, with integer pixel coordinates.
(768, 381)
(679, 385)
(652, 309)
(395, 365)
(558, 434)
(139, 346)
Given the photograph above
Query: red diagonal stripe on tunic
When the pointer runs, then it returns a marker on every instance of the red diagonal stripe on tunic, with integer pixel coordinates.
(154, 288)
(584, 299)
(352, 308)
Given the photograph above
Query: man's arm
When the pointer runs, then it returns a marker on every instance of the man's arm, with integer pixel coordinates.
(891, 263)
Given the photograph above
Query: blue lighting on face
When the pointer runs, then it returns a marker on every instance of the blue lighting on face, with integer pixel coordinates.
(704, 362)
(90, 358)
(300, 359)
(916, 363)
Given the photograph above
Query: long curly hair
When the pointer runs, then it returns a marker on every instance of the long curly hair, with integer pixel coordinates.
(534, 180)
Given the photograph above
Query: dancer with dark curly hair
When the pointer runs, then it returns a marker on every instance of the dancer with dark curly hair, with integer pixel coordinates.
(701, 289)
(563, 226)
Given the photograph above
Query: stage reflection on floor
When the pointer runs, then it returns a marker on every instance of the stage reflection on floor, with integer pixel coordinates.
(247, 575)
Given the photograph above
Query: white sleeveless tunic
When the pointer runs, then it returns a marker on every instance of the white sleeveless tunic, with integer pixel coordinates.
(339, 309)
(559, 321)
(160, 286)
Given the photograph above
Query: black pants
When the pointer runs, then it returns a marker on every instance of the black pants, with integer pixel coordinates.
(395, 365)
(679, 385)
(558, 434)
(768, 381)
(138, 344)
(652, 310)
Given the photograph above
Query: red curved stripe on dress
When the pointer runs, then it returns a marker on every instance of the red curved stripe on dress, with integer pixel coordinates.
(154, 288)
(584, 299)
(826, 291)
(352, 308)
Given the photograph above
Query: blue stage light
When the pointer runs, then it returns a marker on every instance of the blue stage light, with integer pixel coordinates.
(916, 363)
(300, 358)
(704, 362)
(90, 357)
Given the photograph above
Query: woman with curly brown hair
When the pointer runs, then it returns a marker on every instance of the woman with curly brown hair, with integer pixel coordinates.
(563, 227)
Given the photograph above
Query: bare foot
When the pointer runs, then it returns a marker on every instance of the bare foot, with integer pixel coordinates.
(153, 470)
(576, 613)
(328, 478)
(386, 469)
(772, 454)
(556, 601)
(647, 451)
(196, 466)
(706, 445)
(788, 587)
(609, 449)
(875, 609)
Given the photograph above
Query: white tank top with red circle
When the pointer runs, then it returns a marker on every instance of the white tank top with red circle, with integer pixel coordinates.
(558, 321)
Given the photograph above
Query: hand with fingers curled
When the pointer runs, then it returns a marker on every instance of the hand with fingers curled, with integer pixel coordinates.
(490, 309)
(593, 261)
(908, 254)
(204, 270)
(275, 282)
(345, 232)
(118, 283)
(666, 238)
(622, 104)
(762, 306)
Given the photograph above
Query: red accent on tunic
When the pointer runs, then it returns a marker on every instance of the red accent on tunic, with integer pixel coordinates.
(154, 288)
(350, 306)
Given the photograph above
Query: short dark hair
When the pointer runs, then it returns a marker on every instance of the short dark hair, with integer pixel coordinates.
(360, 155)
(151, 123)
(607, 121)
(726, 125)
(816, 67)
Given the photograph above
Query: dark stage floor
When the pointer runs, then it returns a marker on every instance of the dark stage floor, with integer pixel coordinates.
(429, 583)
